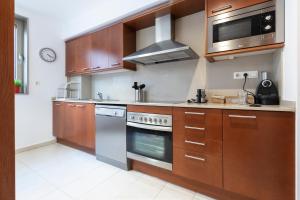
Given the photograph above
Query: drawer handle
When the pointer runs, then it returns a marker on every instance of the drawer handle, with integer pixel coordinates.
(196, 143)
(194, 113)
(71, 105)
(195, 128)
(195, 158)
(85, 69)
(221, 9)
(57, 104)
(242, 116)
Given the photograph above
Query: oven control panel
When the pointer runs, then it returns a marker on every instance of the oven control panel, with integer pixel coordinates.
(151, 119)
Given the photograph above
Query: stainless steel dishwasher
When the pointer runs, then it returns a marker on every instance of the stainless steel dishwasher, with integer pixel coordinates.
(111, 135)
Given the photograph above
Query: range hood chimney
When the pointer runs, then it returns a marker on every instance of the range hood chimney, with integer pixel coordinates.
(165, 49)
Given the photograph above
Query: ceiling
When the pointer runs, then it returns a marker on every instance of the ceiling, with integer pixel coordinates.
(68, 10)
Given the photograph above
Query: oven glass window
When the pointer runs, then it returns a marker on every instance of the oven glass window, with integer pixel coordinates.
(150, 143)
(244, 27)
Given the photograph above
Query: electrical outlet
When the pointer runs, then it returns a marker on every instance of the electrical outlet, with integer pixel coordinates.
(240, 75)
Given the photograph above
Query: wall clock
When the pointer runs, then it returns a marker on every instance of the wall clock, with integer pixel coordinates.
(48, 55)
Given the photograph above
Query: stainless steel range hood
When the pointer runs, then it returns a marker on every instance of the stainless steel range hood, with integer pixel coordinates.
(165, 49)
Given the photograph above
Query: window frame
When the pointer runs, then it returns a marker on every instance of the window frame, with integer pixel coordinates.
(25, 53)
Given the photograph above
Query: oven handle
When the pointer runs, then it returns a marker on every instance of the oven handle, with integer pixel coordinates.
(150, 127)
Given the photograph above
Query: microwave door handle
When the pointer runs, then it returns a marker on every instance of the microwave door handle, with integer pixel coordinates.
(150, 127)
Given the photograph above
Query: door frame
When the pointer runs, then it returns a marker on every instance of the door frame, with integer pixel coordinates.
(7, 121)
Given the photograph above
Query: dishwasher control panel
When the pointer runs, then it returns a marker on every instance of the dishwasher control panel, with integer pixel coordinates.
(112, 111)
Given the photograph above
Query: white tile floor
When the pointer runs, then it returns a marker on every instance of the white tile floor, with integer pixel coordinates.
(57, 172)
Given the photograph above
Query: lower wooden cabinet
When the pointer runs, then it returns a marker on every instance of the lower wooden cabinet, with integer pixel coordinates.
(197, 145)
(258, 154)
(75, 123)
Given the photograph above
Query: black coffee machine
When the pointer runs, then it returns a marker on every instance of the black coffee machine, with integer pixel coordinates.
(266, 92)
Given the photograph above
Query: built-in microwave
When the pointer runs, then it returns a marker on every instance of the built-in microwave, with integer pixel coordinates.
(258, 25)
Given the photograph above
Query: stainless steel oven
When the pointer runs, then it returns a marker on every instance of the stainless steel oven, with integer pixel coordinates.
(149, 139)
(253, 26)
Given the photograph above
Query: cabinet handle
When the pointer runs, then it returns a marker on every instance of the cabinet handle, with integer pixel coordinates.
(80, 106)
(57, 104)
(195, 128)
(116, 64)
(242, 116)
(196, 143)
(221, 9)
(194, 113)
(71, 105)
(85, 69)
(195, 158)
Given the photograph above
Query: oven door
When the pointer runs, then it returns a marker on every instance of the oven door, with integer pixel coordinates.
(150, 144)
(241, 29)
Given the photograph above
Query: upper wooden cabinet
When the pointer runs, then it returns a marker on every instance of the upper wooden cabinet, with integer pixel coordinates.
(101, 51)
(216, 7)
(78, 55)
(122, 42)
(259, 154)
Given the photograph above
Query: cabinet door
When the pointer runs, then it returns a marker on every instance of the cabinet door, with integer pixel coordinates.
(216, 7)
(70, 130)
(70, 57)
(115, 45)
(99, 52)
(85, 125)
(83, 54)
(258, 154)
(58, 119)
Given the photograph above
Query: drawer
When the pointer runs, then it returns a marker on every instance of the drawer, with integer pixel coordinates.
(196, 125)
(195, 118)
(204, 146)
(198, 167)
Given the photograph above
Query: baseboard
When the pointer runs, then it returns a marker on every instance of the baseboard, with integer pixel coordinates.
(35, 146)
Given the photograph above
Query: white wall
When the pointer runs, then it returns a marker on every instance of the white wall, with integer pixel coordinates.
(34, 111)
(290, 64)
(179, 80)
(298, 115)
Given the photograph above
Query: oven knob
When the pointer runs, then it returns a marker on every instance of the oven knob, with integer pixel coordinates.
(268, 17)
(155, 120)
(150, 120)
(141, 119)
(165, 121)
(132, 117)
(160, 121)
(268, 27)
(145, 119)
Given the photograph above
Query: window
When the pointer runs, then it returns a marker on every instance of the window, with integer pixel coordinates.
(21, 55)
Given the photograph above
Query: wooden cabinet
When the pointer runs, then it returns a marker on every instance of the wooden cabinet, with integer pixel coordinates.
(58, 119)
(216, 7)
(75, 123)
(101, 51)
(197, 143)
(258, 154)
(122, 42)
(78, 55)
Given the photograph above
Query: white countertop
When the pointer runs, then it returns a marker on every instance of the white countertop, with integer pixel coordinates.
(279, 108)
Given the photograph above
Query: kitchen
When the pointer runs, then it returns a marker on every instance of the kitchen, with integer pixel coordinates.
(180, 99)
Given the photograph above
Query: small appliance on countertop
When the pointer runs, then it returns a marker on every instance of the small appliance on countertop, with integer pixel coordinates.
(266, 92)
(140, 95)
(200, 97)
